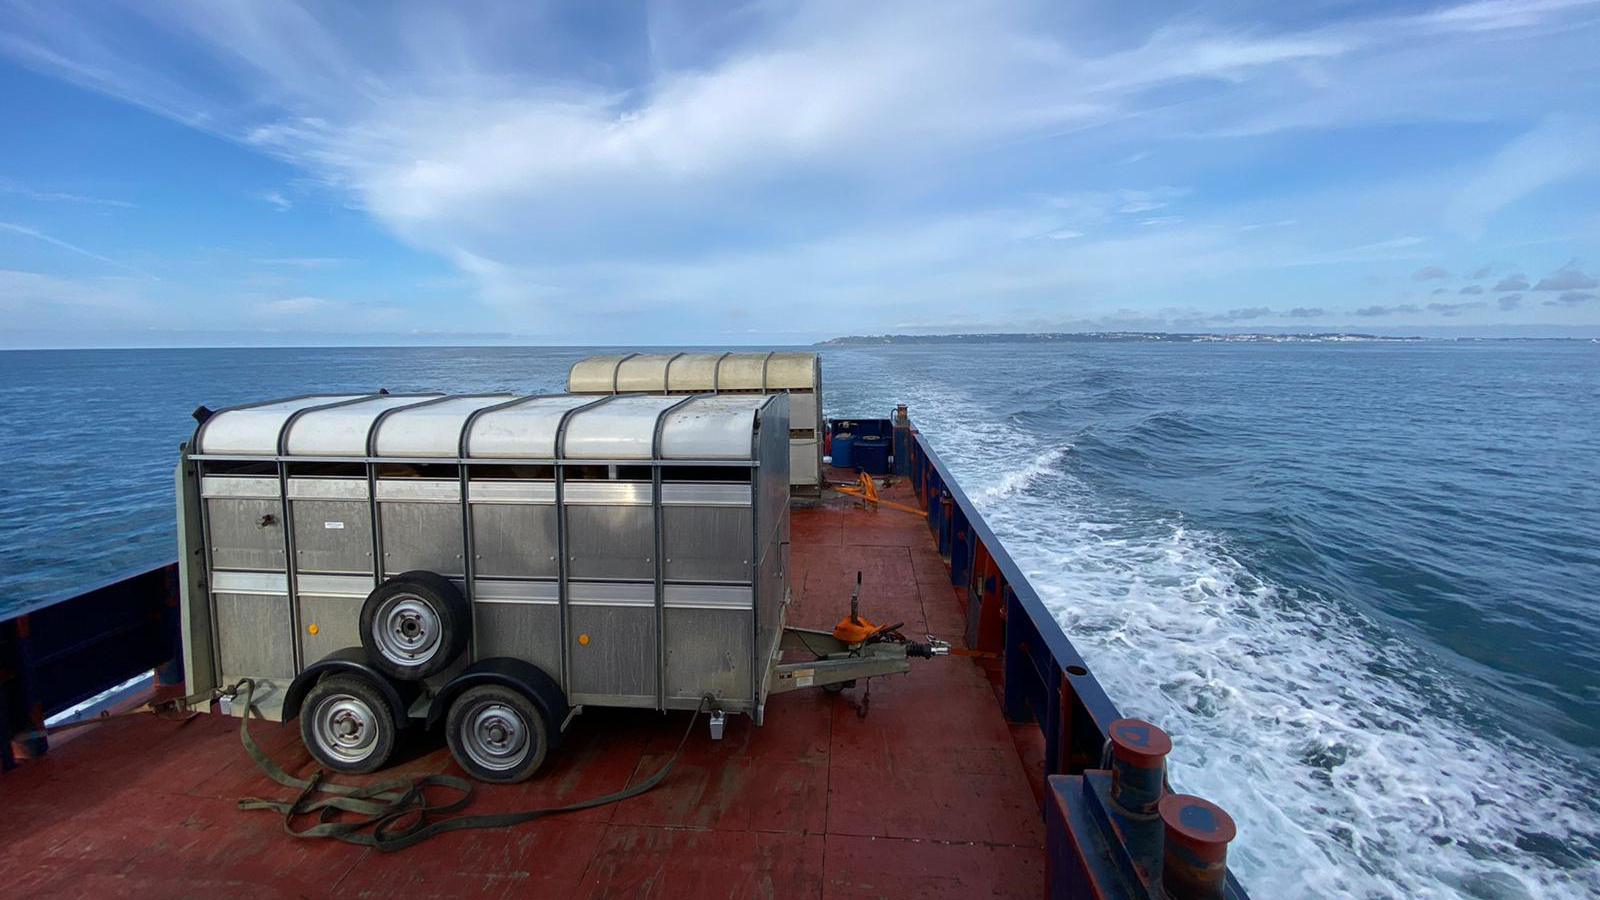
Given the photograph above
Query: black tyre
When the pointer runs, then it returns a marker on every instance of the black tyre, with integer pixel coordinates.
(414, 625)
(497, 734)
(347, 725)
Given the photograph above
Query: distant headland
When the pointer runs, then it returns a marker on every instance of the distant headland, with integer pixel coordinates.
(1116, 337)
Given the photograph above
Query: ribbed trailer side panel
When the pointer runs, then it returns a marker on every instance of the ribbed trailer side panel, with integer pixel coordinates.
(631, 546)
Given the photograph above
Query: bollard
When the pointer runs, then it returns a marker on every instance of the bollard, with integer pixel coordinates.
(902, 441)
(1194, 863)
(1138, 765)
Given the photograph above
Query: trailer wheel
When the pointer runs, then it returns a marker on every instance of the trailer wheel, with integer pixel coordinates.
(497, 734)
(414, 625)
(347, 725)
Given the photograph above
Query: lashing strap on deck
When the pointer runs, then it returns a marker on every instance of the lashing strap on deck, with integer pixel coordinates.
(397, 813)
(866, 489)
(173, 709)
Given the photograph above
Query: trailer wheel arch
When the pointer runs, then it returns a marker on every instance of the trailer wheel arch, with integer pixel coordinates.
(505, 671)
(348, 661)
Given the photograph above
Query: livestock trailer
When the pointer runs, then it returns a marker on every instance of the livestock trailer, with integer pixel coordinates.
(797, 374)
(494, 563)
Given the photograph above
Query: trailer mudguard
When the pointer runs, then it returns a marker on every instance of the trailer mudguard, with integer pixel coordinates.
(349, 661)
(519, 675)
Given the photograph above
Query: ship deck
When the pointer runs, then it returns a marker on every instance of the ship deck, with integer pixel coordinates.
(928, 796)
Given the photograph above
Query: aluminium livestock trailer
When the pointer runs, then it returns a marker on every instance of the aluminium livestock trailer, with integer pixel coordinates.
(797, 374)
(492, 563)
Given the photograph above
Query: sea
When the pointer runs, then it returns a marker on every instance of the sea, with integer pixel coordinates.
(1356, 582)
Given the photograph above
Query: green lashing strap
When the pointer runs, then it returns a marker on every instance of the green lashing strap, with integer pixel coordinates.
(397, 813)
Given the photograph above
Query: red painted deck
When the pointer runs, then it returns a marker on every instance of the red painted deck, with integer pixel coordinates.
(927, 797)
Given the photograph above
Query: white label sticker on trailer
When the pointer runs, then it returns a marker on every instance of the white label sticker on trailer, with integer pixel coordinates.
(333, 525)
(802, 677)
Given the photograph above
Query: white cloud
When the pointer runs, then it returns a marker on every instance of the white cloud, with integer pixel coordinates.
(291, 306)
(1558, 149)
(301, 262)
(278, 201)
(34, 302)
(16, 189)
(53, 241)
(821, 152)
(312, 314)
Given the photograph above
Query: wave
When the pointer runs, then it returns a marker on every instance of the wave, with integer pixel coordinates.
(1354, 763)
(1018, 480)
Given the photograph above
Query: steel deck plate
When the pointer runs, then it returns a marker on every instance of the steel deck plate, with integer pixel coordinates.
(928, 796)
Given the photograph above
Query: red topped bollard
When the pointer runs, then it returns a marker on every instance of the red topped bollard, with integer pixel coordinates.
(1194, 863)
(1138, 765)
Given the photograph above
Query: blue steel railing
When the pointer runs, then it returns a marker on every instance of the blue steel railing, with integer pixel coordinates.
(1046, 679)
(58, 653)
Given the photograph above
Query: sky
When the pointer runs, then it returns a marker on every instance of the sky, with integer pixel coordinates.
(226, 172)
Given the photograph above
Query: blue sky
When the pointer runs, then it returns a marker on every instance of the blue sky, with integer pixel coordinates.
(775, 172)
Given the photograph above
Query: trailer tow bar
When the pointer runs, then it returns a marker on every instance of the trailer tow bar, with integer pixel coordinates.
(854, 650)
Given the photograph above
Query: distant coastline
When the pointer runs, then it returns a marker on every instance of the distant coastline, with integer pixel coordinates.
(1115, 337)
(1132, 337)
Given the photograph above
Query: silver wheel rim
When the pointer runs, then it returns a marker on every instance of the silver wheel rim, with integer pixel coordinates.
(406, 630)
(344, 727)
(495, 736)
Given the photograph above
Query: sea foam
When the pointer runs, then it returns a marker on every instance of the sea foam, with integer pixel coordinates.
(1353, 764)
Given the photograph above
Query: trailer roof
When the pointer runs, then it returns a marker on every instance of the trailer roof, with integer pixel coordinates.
(343, 429)
(431, 429)
(522, 430)
(254, 429)
(688, 373)
(490, 426)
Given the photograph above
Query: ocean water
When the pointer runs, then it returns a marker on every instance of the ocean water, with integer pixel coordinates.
(1355, 582)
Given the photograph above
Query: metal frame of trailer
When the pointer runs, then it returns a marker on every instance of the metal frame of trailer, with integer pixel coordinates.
(662, 557)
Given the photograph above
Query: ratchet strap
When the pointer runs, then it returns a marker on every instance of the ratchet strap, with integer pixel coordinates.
(397, 813)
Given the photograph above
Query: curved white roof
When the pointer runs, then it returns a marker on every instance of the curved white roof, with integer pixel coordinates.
(525, 430)
(715, 427)
(497, 426)
(431, 429)
(694, 373)
(253, 430)
(342, 430)
(621, 428)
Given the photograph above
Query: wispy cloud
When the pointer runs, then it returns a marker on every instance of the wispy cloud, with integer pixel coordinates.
(38, 235)
(36, 301)
(1454, 309)
(1558, 149)
(301, 262)
(1567, 278)
(16, 189)
(1381, 310)
(1572, 298)
(313, 312)
(826, 153)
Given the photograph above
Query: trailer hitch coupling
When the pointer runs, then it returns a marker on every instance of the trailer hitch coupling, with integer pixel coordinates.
(934, 647)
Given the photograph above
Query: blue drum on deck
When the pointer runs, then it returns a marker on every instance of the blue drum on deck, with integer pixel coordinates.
(842, 445)
(870, 454)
